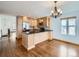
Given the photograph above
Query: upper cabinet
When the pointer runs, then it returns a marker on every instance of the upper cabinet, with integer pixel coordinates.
(29, 22)
(44, 21)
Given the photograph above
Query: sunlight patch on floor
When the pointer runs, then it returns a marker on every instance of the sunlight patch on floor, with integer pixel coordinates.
(13, 36)
(65, 51)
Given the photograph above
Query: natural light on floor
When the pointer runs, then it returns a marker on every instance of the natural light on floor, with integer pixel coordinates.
(67, 51)
(13, 36)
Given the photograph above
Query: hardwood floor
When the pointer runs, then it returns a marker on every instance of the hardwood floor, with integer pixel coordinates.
(12, 47)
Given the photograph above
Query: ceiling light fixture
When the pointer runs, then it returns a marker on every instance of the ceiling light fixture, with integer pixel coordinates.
(56, 12)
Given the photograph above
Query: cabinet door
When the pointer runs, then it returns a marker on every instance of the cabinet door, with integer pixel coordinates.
(40, 37)
(25, 40)
(43, 20)
(37, 38)
(31, 41)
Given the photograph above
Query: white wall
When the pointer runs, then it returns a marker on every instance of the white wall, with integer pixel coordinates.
(68, 11)
(7, 22)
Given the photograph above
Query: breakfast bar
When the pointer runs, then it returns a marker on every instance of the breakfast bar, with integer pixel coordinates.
(29, 40)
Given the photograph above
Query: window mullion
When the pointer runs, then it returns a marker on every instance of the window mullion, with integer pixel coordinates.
(67, 27)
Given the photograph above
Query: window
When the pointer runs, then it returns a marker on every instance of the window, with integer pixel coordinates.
(64, 26)
(68, 26)
(26, 25)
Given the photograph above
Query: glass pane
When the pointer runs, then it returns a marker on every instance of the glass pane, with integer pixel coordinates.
(26, 25)
(63, 22)
(71, 30)
(71, 22)
(63, 30)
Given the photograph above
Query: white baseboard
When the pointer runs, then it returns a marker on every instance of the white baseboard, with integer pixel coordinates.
(30, 47)
(67, 41)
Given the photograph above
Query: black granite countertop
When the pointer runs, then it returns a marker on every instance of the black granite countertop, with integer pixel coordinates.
(35, 31)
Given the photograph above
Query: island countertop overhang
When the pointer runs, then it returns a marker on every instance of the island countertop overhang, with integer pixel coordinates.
(34, 32)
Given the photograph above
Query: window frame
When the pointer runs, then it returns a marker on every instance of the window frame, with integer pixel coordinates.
(67, 25)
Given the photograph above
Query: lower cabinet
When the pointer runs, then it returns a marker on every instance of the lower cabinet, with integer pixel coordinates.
(30, 40)
(40, 37)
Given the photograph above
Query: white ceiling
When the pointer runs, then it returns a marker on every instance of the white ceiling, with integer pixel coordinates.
(30, 8)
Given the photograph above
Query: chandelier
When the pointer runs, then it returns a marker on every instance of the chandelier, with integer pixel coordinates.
(56, 12)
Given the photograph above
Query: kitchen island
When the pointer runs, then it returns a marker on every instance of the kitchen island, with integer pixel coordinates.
(30, 39)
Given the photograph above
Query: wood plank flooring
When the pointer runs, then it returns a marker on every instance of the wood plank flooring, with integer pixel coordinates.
(13, 48)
